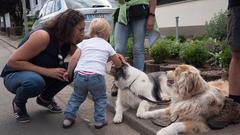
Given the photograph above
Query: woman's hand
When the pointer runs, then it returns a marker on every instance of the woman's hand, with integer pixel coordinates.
(57, 73)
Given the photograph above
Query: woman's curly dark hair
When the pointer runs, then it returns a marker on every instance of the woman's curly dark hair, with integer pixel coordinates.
(64, 24)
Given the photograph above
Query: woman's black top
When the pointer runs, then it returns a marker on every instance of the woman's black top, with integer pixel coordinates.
(48, 58)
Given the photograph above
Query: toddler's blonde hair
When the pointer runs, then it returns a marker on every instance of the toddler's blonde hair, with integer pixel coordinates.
(99, 27)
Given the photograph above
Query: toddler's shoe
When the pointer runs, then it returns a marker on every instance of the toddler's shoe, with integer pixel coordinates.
(68, 122)
(101, 125)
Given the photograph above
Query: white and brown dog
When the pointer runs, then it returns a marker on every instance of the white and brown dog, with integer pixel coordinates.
(193, 101)
(137, 90)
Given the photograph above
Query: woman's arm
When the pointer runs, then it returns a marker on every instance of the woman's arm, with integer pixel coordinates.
(37, 42)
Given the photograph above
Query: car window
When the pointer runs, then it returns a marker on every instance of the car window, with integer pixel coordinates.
(57, 5)
(49, 7)
(74, 4)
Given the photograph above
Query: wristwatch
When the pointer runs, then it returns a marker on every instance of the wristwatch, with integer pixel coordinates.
(151, 14)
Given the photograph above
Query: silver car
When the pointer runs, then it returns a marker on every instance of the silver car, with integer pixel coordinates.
(89, 8)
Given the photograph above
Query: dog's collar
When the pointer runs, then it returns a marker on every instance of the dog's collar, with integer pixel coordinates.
(129, 87)
(162, 102)
(132, 82)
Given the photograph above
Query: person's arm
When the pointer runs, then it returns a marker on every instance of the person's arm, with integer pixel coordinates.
(72, 64)
(37, 42)
(151, 16)
(116, 60)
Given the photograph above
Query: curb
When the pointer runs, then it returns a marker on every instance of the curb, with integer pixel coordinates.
(144, 127)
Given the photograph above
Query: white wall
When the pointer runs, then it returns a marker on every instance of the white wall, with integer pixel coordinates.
(190, 12)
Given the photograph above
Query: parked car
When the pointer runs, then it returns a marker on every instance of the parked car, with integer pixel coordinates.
(89, 8)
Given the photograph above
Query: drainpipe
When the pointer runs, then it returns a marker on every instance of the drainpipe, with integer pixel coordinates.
(177, 28)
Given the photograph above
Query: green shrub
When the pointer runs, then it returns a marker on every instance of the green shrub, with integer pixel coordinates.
(174, 49)
(194, 53)
(215, 48)
(160, 51)
(170, 37)
(214, 59)
(130, 48)
(203, 37)
(225, 57)
(182, 38)
(217, 26)
(213, 45)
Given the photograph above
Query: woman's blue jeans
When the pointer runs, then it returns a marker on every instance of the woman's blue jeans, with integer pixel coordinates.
(138, 30)
(27, 84)
(95, 84)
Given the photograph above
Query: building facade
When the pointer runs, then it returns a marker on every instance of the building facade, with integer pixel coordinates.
(193, 15)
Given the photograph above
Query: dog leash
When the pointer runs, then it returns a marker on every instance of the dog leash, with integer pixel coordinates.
(161, 102)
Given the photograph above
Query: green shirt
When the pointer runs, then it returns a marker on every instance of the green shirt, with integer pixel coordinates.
(122, 17)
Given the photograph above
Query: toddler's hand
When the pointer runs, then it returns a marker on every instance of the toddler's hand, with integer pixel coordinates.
(122, 58)
(66, 76)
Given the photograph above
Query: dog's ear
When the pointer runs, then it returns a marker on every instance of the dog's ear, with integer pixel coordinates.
(193, 83)
(198, 83)
(186, 83)
(182, 84)
(121, 72)
(125, 70)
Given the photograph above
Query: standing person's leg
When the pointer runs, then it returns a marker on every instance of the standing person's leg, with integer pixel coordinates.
(234, 41)
(139, 31)
(24, 84)
(121, 38)
(77, 98)
(234, 77)
(97, 88)
(231, 110)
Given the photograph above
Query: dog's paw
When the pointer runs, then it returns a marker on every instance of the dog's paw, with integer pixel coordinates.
(141, 114)
(117, 119)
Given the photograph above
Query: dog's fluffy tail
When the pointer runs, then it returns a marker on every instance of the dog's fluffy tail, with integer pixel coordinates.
(221, 85)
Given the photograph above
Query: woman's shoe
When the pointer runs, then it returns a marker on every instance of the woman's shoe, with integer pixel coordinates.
(20, 113)
(50, 105)
(68, 122)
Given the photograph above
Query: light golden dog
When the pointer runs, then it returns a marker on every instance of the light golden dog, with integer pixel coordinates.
(193, 101)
